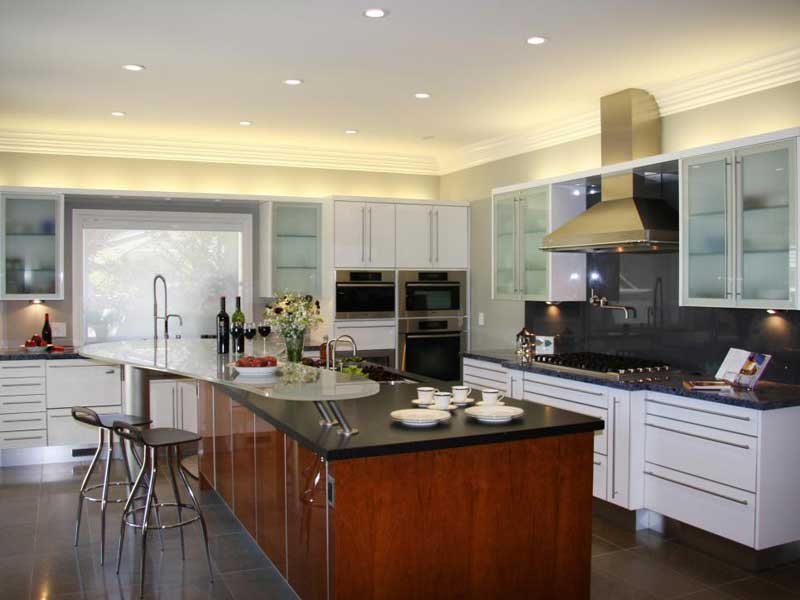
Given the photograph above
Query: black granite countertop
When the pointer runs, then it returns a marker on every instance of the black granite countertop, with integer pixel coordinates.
(379, 435)
(768, 395)
(21, 354)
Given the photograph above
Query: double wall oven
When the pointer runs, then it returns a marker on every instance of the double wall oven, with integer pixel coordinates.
(432, 325)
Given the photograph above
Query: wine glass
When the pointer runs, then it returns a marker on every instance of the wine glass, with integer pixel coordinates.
(250, 332)
(264, 330)
(237, 332)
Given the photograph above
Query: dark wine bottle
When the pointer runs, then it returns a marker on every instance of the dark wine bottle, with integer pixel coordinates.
(237, 331)
(47, 333)
(223, 329)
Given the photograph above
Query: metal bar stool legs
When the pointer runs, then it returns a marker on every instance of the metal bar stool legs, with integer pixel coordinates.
(82, 492)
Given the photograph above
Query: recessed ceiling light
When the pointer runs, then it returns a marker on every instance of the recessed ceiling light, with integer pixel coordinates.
(292, 81)
(117, 113)
(422, 95)
(134, 67)
(375, 13)
(351, 131)
(537, 40)
(245, 123)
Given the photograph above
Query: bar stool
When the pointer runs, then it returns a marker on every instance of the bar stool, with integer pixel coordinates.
(104, 423)
(152, 440)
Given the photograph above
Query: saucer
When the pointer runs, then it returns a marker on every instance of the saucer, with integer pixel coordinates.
(494, 414)
(463, 402)
(419, 417)
(451, 406)
(482, 403)
(419, 402)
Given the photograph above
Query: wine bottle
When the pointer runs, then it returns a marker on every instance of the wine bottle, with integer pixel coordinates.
(223, 329)
(47, 333)
(237, 322)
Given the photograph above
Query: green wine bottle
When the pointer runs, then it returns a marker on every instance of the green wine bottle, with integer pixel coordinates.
(237, 327)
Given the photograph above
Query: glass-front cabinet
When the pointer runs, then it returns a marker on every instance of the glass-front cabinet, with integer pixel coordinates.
(739, 228)
(32, 246)
(521, 270)
(296, 248)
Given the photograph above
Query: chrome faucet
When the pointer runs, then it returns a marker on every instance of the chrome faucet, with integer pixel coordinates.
(330, 354)
(167, 315)
(596, 300)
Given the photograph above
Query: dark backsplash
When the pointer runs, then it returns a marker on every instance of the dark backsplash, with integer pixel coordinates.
(691, 339)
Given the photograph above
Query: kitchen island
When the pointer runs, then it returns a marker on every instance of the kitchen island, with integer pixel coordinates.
(463, 510)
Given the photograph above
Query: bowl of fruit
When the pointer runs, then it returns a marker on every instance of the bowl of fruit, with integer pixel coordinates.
(256, 366)
(35, 345)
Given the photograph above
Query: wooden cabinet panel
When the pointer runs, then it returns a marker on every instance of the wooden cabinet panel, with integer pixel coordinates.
(223, 445)
(306, 517)
(450, 523)
(244, 466)
(205, 427)
(271, 493)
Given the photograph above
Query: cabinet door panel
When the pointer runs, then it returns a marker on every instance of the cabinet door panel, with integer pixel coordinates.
(451, 228)
(84, 383)
(244, 466)
(223, 445)
(187, 405)
(205, 427)
(766, 228)
(380, 231)
(163, 403)
(349, 222)
(271, 493)
(296, 248)
(414, 236)
(505, 246)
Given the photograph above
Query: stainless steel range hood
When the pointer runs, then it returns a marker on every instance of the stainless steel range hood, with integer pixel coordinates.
(622, 221)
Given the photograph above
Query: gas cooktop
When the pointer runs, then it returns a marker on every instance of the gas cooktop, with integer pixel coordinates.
(604, 366)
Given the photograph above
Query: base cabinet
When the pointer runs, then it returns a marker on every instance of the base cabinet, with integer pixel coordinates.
(174, 403)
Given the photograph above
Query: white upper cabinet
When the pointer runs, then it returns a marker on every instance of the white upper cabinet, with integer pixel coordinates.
(432, 236)
(32, 246)
(364, 234)
(739, 227)
(521, 270)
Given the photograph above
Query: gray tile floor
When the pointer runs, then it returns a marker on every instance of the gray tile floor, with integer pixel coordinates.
(38, 560)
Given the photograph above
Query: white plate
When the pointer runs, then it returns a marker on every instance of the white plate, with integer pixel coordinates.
(483, 403)
(35, 349)
(494, 413)
(419, 417)
(463, 402)
(255, 371)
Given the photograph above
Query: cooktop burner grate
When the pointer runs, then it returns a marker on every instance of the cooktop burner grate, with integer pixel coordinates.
(605, 366)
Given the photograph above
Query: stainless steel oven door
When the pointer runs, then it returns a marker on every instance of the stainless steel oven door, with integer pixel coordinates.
(365, 295)
(432, 347)
(433, 293)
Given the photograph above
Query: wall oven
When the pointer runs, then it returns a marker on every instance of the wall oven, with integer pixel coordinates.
(432, 347)
(365, 295)
(433, 293)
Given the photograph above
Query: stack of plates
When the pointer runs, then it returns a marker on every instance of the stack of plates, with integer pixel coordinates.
(420, 417)
(494, 413)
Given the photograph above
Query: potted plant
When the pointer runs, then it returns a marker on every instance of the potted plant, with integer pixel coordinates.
(291, 316)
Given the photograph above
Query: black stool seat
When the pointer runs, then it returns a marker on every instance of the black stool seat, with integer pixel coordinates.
(167, 436)
(107, 421)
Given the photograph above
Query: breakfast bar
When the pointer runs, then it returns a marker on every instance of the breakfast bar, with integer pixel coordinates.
(460, 510)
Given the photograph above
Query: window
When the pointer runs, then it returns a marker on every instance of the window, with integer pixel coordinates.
(116, 254)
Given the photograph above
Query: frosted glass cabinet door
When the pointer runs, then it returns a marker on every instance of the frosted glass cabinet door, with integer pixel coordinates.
(705, 243)
(32, 246)
(766, 203)
(534, 220)
(505, 246)
(296, 248)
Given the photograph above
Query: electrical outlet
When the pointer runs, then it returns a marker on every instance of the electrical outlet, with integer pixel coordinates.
(59, 329)
(481, 319)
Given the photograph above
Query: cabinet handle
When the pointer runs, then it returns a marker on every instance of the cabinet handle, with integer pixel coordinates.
(430, 235)
(19, 439)
(363, 232)
(436, 233)
(699, 489)
(597, 462)
(59, 416)
(701, 437)
(21, 384)
(22, 420)
(24, 367)
(369, 214)
(22, 402)
(110, 372)
(614, 449)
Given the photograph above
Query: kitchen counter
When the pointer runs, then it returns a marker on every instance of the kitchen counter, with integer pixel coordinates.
(768, 395)
(21, 354)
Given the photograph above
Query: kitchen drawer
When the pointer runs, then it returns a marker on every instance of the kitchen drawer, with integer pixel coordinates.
(565, 389)
(489, 369)
(498, 377)
(478, 384)
(22, 421)
(720, 509)
(21, 368)
(368, 336)
(599, 476)
(28, 386)
(710, 414)
(600, 438)
(23, 439)
(63, 430)
(16, 404)
(721, 456)
(83, 383)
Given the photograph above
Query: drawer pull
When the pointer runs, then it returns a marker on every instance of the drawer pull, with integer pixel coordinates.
(22, 420)
(19, 439)
(699, 489)
(537, 393)
(708, 412)
(22, 367)
(110, 372)
(570, 389)
(21, 384)
(701, 437)
(597, 462)
(59, 416)
(23, 402)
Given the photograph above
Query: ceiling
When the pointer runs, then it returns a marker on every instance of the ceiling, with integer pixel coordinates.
(211, 64)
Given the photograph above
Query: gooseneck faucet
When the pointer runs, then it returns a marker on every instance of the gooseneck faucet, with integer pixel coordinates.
(167, 315)
(596, 300)
(330, 355)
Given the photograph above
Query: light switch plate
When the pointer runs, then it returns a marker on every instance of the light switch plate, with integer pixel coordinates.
(59, 329)
(481, 319)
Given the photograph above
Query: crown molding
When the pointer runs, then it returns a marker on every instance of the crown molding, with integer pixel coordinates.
(743, 78)
(35, 142)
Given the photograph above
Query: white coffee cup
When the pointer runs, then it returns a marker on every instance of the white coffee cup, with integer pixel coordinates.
(492, 396)
(426, 393)
(461, 392)
(441, 400)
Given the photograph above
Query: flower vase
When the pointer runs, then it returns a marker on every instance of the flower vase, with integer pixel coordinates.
(294, 345)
